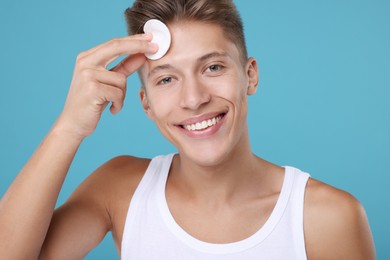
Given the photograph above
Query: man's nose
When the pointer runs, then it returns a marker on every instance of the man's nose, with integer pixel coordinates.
(193, 94)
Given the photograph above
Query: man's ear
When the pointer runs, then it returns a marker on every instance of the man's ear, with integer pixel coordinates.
(252, 72)
(145, 102)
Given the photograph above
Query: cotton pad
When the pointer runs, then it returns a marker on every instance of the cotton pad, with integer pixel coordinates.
(161, 36)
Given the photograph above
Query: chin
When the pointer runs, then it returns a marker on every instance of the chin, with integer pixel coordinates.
(209, 158)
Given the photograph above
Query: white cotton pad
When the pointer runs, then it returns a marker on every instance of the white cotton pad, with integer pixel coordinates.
(161, 36)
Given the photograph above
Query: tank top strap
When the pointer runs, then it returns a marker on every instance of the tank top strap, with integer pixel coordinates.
(154, 177)
(295, 210)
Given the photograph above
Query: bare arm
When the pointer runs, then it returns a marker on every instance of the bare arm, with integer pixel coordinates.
(82, 221)
(336, 225)
(97, 206)
(27, 207)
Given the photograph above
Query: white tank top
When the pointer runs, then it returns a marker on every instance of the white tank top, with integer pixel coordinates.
(152, 233)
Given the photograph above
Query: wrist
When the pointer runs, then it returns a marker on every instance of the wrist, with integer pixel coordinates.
(65, 132)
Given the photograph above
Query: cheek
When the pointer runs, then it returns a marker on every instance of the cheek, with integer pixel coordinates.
(237, 95)
(232, 89)
(160, 107)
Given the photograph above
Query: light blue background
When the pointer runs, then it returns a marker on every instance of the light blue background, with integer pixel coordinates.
(322, 105)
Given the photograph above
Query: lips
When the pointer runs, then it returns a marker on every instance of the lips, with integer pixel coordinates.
(201, 123)
(204, 124)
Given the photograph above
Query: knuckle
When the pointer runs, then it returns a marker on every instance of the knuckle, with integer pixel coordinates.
(80, 59)
(115, 43)
(122, 79)
(118, 94)
(80, 56)
(88, 74)
(142, 44)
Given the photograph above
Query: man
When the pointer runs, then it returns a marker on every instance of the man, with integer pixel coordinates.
(215, 199)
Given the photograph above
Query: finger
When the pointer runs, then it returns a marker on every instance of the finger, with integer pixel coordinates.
(130, 64)
(110, 78)
(145, 36)
(111, 94)
(117, 47)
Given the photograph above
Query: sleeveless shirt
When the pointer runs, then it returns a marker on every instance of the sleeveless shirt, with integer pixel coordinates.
(151, 232)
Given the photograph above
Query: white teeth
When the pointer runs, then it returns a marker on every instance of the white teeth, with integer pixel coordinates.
(203, 125)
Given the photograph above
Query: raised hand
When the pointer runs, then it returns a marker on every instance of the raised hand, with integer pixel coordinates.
(93, 86)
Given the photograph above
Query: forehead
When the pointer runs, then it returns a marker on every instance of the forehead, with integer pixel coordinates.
(193, 34)
(190, 41)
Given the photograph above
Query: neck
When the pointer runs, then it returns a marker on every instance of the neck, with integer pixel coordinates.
(221, 182)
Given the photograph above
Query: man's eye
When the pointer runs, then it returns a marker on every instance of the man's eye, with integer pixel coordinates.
(166, 80)
(214, 68)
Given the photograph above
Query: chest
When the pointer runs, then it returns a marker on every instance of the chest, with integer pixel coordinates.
(224, 223)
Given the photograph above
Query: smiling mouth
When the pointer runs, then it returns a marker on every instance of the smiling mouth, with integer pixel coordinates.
(200, 126)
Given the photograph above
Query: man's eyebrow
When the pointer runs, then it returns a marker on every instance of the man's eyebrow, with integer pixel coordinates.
(214, 54)
(159, 68)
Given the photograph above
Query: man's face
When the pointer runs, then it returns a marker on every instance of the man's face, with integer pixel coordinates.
(197, 93)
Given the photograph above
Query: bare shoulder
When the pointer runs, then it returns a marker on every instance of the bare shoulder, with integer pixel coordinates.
(113, 184)
(121, 170)
(114, 176)
(336, 225)
(98, 205)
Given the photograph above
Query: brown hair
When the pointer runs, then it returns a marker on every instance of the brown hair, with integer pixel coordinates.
(221, 12)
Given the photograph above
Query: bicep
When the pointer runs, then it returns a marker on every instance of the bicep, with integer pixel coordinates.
(82, 222)
(76, 228)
